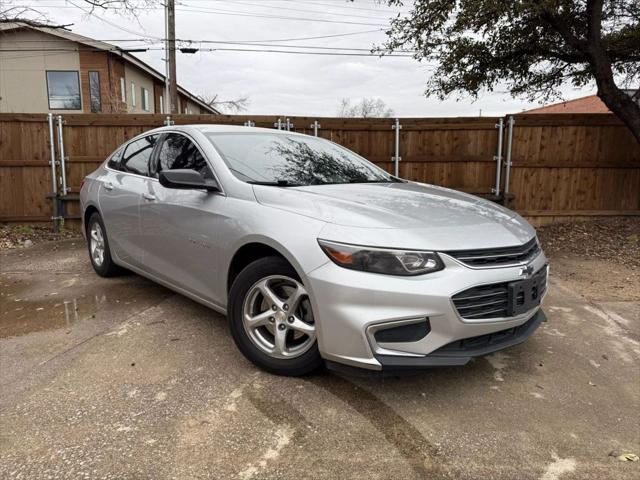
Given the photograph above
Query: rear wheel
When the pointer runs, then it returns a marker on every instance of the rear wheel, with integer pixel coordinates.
(99, 248)
(271, 318)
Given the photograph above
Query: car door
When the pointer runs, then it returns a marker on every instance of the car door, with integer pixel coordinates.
(120, 195)
(180, 228)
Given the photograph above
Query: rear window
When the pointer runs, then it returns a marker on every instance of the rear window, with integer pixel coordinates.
(114, 159)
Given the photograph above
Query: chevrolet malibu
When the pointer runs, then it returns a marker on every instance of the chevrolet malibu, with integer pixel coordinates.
(315, 254)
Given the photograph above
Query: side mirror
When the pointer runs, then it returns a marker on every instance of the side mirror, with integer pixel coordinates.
(187, 180)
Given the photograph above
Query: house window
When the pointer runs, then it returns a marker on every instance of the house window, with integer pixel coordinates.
(161, 104)
(94, 91)
(133, 94)
(63, 89)
(123, 91)
(145, 98)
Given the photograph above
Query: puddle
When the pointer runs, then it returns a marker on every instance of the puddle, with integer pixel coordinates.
(28, 305)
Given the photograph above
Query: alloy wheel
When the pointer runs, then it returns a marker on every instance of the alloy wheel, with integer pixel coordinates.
(277, 317)
(96, 243)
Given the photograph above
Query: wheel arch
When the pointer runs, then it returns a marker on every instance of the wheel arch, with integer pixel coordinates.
(86, 215)
(253, 250)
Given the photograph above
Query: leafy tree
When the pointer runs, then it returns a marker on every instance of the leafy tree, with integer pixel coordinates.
(365, 108)
(531, 46)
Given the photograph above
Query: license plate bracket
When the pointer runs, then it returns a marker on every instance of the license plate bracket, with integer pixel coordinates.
(525, 294)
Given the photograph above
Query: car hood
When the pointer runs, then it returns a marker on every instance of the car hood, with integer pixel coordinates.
(440, 216)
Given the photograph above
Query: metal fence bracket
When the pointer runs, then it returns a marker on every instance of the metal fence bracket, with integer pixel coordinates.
(498, 158)
(507, 173)
(315, 125)
(397, 158)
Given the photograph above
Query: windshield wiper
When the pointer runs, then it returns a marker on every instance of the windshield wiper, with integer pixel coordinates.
(388, 180)
(277, 183)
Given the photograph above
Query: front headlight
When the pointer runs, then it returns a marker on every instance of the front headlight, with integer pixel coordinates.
(382, 260)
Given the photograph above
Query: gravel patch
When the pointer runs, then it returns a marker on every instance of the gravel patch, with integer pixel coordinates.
(25, 236)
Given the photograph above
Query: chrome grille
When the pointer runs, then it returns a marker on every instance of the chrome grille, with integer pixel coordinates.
(489, 301)
(497, 256)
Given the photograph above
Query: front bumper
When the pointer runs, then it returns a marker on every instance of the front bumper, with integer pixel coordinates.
(350, 306)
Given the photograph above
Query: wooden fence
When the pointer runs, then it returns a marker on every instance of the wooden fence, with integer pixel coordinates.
(563, 165)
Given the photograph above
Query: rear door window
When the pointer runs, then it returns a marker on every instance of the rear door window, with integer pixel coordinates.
(178, 152)
(137, 155)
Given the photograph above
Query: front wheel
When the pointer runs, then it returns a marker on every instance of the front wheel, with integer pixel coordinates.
(271, 318)
(99, 252)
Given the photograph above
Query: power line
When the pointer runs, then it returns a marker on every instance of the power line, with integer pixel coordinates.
(313, 2)
(236, 13)
(157, 39)
(219, 49)
(340, 14)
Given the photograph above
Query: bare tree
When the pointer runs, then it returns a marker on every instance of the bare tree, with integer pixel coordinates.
(237, 105)
(31, 15)
(365, 108)
(27, 15)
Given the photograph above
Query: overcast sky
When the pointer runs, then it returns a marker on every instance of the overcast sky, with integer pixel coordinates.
(279, 83)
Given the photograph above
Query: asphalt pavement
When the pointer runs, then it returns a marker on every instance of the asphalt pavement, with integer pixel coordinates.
(121, 378)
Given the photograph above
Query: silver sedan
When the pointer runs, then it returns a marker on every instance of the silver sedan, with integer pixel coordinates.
(315, 255)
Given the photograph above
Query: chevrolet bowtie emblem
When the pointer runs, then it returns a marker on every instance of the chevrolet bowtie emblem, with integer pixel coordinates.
(526, 271)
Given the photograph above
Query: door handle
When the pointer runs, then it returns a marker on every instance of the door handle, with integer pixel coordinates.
(148, 196)
(108, 186)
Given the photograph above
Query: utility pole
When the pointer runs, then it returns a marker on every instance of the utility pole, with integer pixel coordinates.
(172, 98)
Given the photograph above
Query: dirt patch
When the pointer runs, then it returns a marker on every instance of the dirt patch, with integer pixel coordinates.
(19, 236)
(601, 258)
(614, 240)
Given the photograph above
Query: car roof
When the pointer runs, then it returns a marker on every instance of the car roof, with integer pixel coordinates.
(217, 128)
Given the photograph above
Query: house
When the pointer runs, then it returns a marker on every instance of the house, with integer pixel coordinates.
(588, 104)
(54, 70)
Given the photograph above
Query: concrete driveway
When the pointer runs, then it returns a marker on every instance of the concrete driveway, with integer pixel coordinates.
(141, 383)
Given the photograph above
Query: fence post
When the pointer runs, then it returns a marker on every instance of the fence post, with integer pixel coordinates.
(288, 125)
(507, 173)
(52, 148)
(249, 123)
(396, 158)
(54, 177)
(62, 157)
(315, 125)
(498, 157)
(278, 124)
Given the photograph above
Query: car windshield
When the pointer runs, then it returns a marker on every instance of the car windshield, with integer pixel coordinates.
(293, 160)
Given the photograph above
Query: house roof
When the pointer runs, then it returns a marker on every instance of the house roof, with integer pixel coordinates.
(589, 104)
(99, 45)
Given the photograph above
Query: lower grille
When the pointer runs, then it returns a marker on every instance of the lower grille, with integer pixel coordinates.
(487, 340)
(490, 301)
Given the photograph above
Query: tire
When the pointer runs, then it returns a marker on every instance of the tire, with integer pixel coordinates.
(102, 264)
(263, 344)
